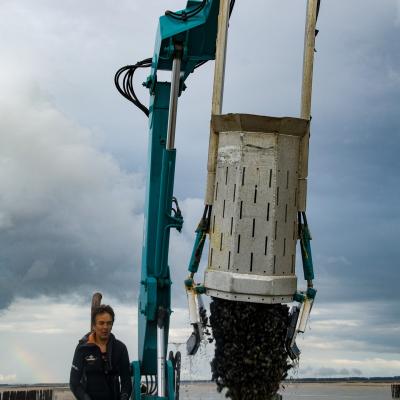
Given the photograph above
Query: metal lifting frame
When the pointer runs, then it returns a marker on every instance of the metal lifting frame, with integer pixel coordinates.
(184, 41)
(194, 290)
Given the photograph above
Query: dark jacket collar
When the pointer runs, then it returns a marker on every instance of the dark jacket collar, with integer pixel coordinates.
(84, 341)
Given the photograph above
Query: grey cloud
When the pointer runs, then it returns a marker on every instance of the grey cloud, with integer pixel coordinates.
(327, 372)
(71, 218)
(353, 198)
(364, 327)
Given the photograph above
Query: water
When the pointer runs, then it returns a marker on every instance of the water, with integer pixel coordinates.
(300, 391)
(293, 391)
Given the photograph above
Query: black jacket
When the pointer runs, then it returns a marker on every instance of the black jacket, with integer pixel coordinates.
(93, 378)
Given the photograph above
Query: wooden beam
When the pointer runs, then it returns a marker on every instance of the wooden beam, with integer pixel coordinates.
(96, 301)
(306, 96)
(218, 94)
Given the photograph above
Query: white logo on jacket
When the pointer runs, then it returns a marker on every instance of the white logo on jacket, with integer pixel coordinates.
(91, 358)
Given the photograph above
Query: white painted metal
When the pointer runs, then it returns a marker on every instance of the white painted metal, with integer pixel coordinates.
(194, 315)
(160, 362)
(254, 220)
(195, 302)
(305, 314)
(250, 287)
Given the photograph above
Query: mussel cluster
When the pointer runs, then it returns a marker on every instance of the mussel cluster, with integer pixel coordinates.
(250, 358)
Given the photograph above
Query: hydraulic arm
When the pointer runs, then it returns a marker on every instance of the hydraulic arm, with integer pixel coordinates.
(185, 40)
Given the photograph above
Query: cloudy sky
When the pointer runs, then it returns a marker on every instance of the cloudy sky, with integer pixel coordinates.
(73, 160)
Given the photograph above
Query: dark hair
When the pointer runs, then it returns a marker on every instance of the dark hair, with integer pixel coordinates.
(103, 308)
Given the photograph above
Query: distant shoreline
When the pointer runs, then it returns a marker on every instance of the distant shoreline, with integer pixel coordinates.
(350, 380)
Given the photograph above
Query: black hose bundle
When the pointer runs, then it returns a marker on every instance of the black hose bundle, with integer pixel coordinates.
(127, 82)
(185, 15)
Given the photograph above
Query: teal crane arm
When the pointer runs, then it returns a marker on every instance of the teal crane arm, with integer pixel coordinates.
(185, 40)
